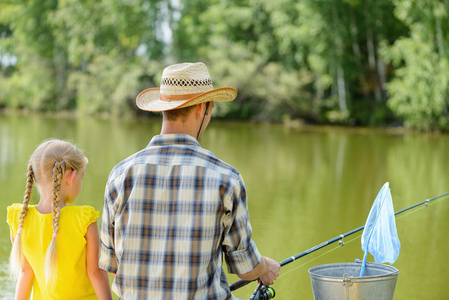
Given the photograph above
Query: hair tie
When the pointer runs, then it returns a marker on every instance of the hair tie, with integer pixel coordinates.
(19, 231)
(55, 235)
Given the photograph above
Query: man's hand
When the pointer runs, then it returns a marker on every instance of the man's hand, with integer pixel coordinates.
(271, 272)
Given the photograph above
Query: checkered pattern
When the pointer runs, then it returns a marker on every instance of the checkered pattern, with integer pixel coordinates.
(186, 82)
(170, 213)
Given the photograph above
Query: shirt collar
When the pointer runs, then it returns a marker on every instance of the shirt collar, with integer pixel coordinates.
(170, 139)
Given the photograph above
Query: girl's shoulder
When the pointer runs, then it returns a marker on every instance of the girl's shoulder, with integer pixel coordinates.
(13, 212)
(86, 214)
(14, 207)
(81, 209)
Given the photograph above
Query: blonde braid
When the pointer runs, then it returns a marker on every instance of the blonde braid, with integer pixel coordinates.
(16, 257)
(50, 256)
(26, 199)
(58, 173)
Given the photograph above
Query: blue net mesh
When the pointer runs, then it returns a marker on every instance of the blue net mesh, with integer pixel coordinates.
(380, 237)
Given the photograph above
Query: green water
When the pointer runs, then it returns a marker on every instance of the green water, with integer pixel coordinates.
(304, 187)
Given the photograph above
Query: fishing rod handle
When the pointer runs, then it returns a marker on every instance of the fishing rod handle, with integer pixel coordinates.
(238, 284)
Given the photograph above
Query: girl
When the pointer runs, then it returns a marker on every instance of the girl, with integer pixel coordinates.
(55, 247)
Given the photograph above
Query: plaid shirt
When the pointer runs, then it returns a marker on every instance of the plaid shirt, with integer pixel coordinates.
(170, 212)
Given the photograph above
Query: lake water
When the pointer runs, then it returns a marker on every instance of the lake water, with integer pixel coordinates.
(305, 186)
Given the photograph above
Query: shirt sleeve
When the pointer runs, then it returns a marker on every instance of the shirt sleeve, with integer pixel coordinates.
(89, 216)
(12, 217)
(241, 253)
(108, 259)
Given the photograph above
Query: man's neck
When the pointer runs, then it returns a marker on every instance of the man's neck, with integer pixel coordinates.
(190, 125)
(173, 127)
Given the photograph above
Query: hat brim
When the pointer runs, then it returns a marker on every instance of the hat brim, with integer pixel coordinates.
(149, 99)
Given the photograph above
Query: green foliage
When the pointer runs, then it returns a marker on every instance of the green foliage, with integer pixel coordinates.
(239, 40)
(327, 61)
(302, 59)
(79, 55)
(419, 92)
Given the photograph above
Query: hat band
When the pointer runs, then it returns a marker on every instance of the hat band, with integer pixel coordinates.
(169, 98)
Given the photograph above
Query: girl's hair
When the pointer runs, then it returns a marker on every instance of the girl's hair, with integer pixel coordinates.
(47, 165)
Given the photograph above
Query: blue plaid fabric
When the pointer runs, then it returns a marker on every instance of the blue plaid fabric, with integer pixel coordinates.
(170, 213)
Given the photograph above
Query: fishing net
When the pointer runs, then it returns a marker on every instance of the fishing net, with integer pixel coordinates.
(380, 237)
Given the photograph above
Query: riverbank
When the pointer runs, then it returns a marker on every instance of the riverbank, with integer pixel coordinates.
(291, 124)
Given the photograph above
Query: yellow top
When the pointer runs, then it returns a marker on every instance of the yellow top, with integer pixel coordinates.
(72, 281)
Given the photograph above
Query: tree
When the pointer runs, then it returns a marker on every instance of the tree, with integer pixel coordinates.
(325, 61)
(90, 55)
(419, 91)
(316, 60)
(238, 40)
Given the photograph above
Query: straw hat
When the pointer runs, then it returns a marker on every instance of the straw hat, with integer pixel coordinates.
(183, 85)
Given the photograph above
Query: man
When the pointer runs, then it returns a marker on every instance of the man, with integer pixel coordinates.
(173, 209)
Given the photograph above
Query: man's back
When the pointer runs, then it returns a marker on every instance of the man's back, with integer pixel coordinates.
(170, 212)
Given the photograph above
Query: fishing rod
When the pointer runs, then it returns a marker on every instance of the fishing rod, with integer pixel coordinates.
(241, 283)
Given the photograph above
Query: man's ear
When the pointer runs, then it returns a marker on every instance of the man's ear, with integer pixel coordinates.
(69, 175)
(199, 109)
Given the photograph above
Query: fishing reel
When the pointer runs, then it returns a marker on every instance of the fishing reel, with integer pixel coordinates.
(263, 292)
